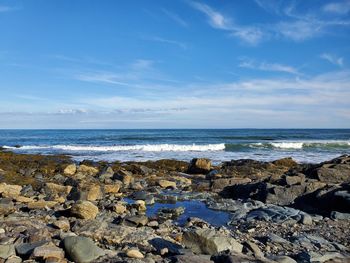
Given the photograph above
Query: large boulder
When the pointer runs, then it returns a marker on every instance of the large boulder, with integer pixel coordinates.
(208, 241)
(199, 166)
(82, 249)
(84, 210)
(10, 190)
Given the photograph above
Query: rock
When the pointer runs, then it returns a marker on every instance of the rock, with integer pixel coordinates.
(287, 162)
(127, 180)
(119, 208)
(62, 224)
(140, 205)
(111, 188)
(306, 219)
(93, 192)
(295, 179)
(10, 190)
(137, 220)
(190, 258)
(26, 249)
(134, 253)
(7, 251)
(48, 251)
(87, 170)
(84, 210)
(166, 184)
(283, 259)
(220, 184)
(162, 244)
(42, 204)
(333, 173)
(56, 189)
(15, 259)
(70, 169)
(199, 166)
(107, 174)
(208, 241)
(82, 249)
(23, 199)
(255, 249)
(6, 206)
(340, 216)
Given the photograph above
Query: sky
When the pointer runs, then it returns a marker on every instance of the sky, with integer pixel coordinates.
(174, 64)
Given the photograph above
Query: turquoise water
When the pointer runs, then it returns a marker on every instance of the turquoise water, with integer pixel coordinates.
(304, 145)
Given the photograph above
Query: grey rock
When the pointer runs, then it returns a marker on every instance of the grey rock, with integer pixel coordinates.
(82, 249)
(6, 251)
(306, 219)
(340, 216)
(6, 206)
(25, 249)
(283, 259)
(138, 220)
(208, 241)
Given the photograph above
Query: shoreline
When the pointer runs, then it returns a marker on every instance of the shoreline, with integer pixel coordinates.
(279, 211)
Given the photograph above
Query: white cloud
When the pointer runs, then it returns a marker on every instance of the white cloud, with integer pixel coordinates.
(339, 61)
(168, 41)
(175, 17)
(142, 64)
(264, 66)
(249, 34)
(340, 8)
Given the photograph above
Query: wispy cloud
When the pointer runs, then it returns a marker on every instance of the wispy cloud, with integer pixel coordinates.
(4, 8)
(248, 34)
(339, 61)
(142, 64)
(265, 66)
(168, 41)
(175, 17)
(340, 8)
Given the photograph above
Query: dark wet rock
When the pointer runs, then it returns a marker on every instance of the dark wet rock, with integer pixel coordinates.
(208, 241)
(219, 184)
(234, 258)
(199, 166)
(82, 249)
(159, 244)
(294, 179)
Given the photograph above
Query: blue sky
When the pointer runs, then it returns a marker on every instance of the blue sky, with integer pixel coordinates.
(174, 64)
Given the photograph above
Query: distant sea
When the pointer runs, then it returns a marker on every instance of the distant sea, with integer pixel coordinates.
(304, 145)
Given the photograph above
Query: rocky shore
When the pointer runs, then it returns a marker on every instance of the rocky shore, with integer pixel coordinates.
(53, 209)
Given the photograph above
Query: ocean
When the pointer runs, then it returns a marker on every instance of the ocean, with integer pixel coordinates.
(304, 145)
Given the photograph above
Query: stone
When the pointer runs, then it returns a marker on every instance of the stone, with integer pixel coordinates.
(62, 224)
(48, 251)
(42, 204)
(134, 253)
(255, 249)
(93, 192)
(6, 206)
(7, 251)
(70, 169)
(283, 259)
(127, 180)
(82, 249)
(166, 184)
(119, 208)
(140, 205)
(111, 188)
(340, 216)
(107, 174)
(199, 166)
(10, 190)
(208, 241)
(295, 179)
(15, 259)
(24, 199)
(139, 220)
(191, 258)
(56, 189)
(26, 249)
(87, 170)
(306, 219)
(84, 210)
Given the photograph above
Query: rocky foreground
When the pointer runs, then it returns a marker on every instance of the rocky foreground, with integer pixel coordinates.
(55, 210)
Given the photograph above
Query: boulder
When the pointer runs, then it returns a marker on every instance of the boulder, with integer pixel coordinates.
(93, 192)
(56, 189)
(134, 253)
(42, 204)
(10, 190)
(7, 251)
(84, 210)
(208, 241)
(87, 170)
(82, 249)
(111, 188)
(6, 206)
(199, 166)
(166, 184)
(70, 169)
(48, 251)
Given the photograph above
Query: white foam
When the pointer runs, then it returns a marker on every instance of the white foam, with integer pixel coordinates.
(288, 145)
(144, 148)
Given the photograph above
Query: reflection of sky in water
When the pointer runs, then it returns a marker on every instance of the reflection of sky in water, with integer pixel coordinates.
(192, 209)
